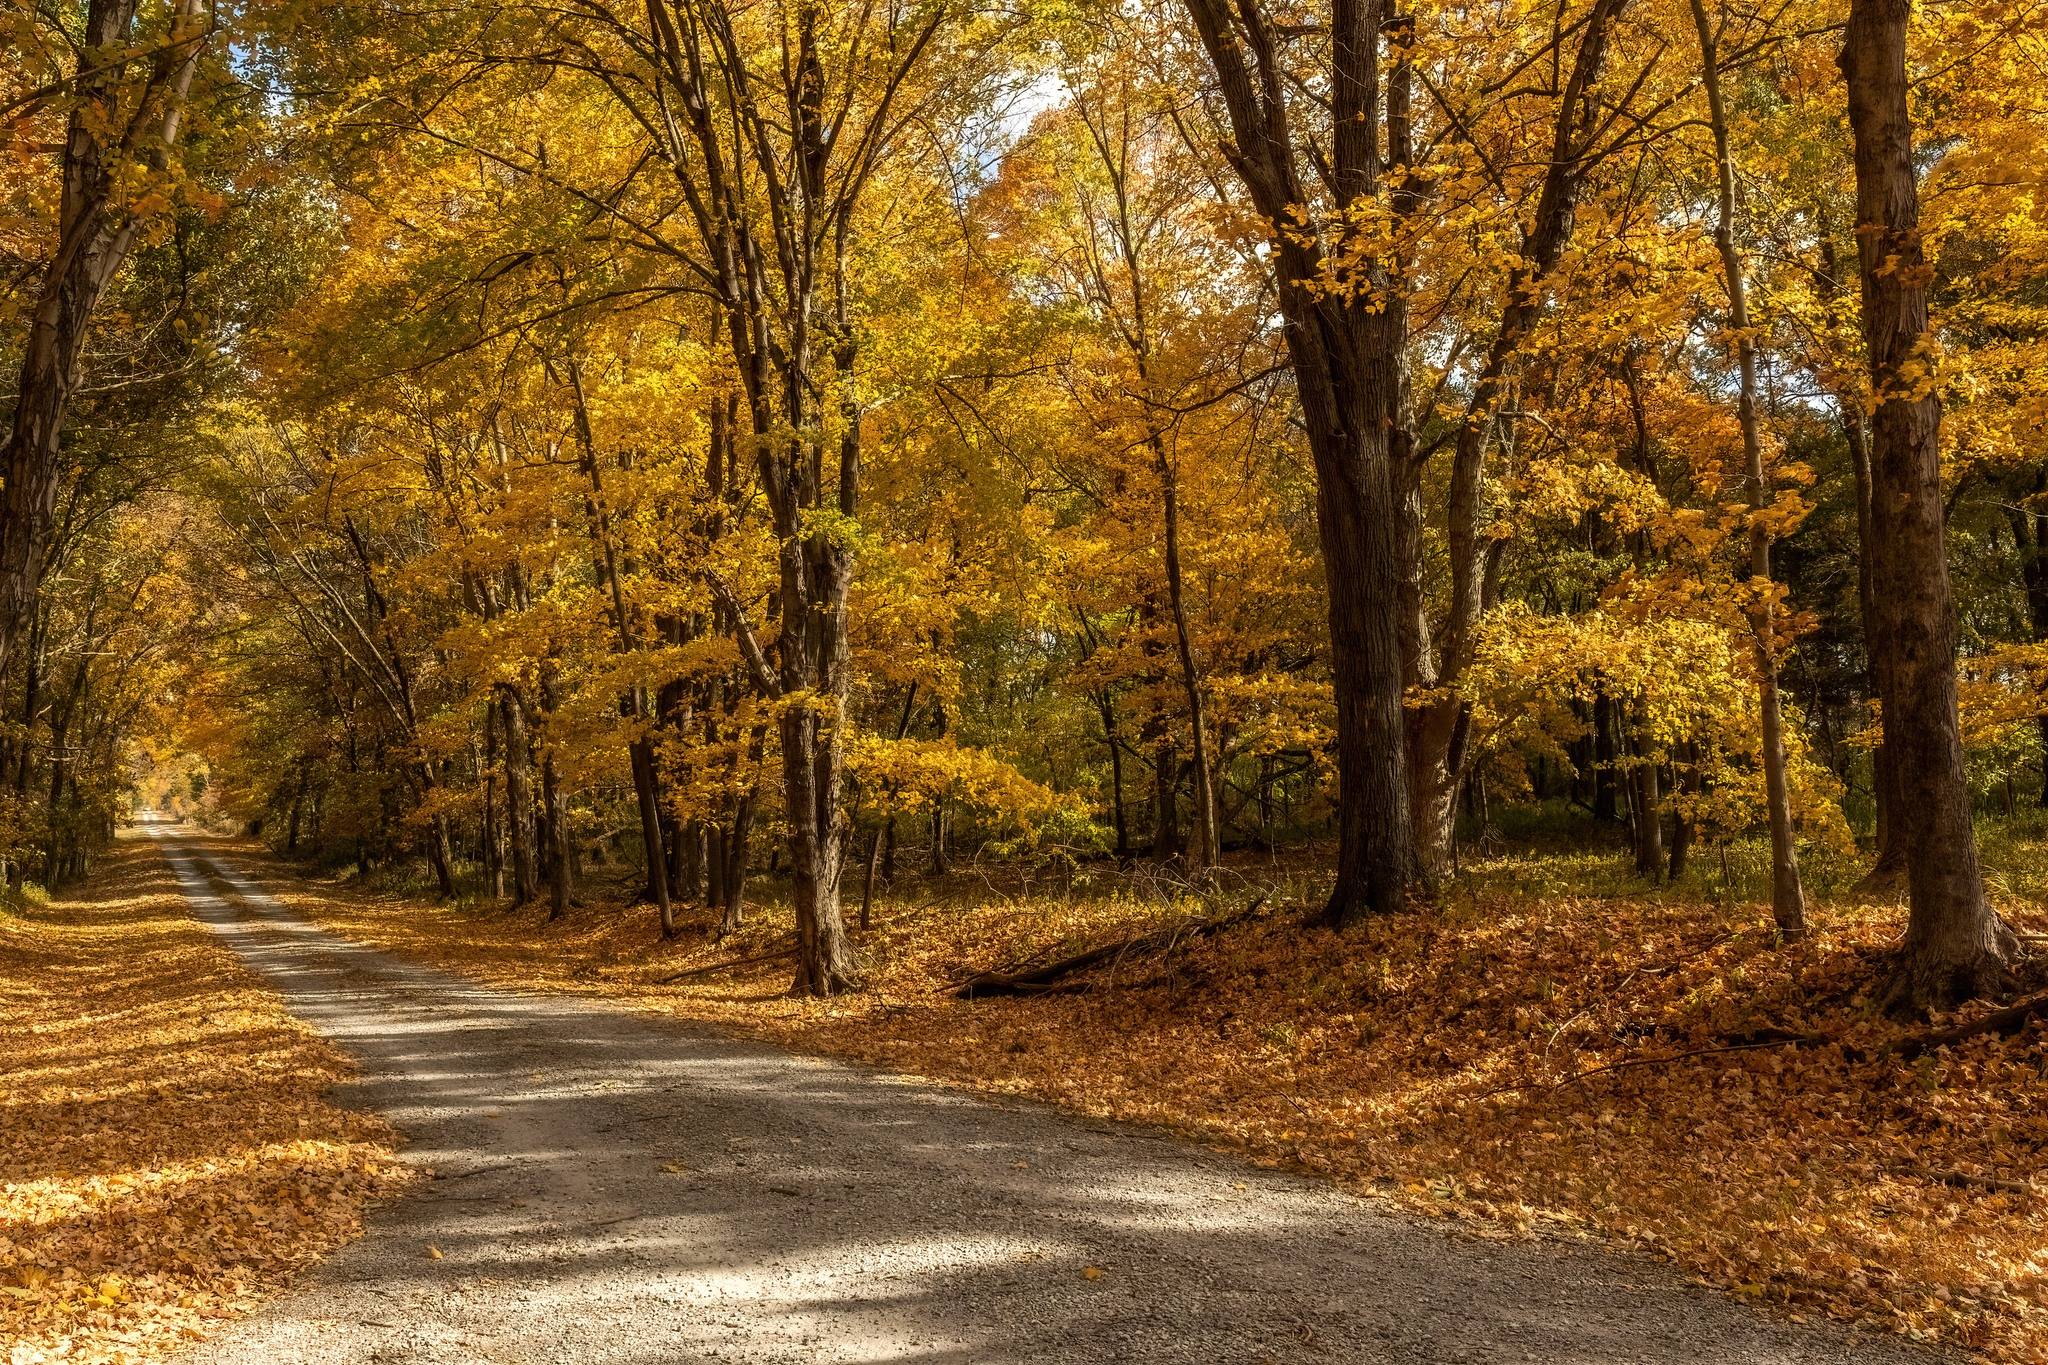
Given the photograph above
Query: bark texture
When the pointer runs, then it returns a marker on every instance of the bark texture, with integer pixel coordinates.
(1346, 347)
(1956, 946)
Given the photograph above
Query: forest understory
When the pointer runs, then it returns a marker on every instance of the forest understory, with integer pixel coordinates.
(1523, 1058)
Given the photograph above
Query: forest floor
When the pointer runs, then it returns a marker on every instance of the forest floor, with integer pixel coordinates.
(1520, 1059)
(610, 1186)
(168, 1150)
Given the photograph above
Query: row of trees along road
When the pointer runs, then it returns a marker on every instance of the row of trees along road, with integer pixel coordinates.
(860, 427)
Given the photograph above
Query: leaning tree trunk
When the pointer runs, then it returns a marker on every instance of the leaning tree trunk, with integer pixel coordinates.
(1788, 896)
(1956, 946)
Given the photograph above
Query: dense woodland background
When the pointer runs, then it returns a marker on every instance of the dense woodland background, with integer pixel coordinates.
(762, 450)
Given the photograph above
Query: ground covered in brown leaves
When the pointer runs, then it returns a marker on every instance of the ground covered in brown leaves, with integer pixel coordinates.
(1521, 1060)
(167, 1150)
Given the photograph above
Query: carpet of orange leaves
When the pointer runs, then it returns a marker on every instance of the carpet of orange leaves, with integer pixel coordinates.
(167, 1153)
(1518, 1062)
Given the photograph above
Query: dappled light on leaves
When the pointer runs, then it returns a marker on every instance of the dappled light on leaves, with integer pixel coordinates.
(169, 1149)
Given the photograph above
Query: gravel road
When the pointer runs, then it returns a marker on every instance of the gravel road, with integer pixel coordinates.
(616, 1188)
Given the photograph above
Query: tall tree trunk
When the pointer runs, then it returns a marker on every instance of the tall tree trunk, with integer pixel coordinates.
(1889, 870)
(1207, 848)
(125, 114)
(653, 846)
(633, 703)
(519, 796)
(31, 702)
(714, 869)
(1606, 757)
(810, 783)
(732, 849)
(1105, 703)
(1203, 855)
(1788, 896)
(691, 855)
(784, 301)
(2030, 542)
(1685, 780)
(555, 817)
(441, 857)
(1956, 947)
(493, 829)
(867, 883)
(1166, 840)
(298, 806)
(941, 849)
(867, 887)
(1889, 867)
(1439, 728)
(1648, 804)
(1346, 348)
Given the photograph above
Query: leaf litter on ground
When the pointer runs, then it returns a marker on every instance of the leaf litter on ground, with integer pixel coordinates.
(168, 1151)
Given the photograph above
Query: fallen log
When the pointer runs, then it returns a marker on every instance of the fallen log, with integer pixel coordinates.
(728, 965)
(2004, 1023)
(1050, 976)
(1970, 1180)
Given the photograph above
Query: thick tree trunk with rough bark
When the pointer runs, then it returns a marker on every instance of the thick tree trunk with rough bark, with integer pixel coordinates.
(1347, 348)
(1956, 946)
(810, 784)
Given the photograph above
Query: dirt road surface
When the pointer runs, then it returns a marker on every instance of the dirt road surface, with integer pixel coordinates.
(612, 1187)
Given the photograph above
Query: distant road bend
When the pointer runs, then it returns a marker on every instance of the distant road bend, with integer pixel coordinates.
(617, 1188)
